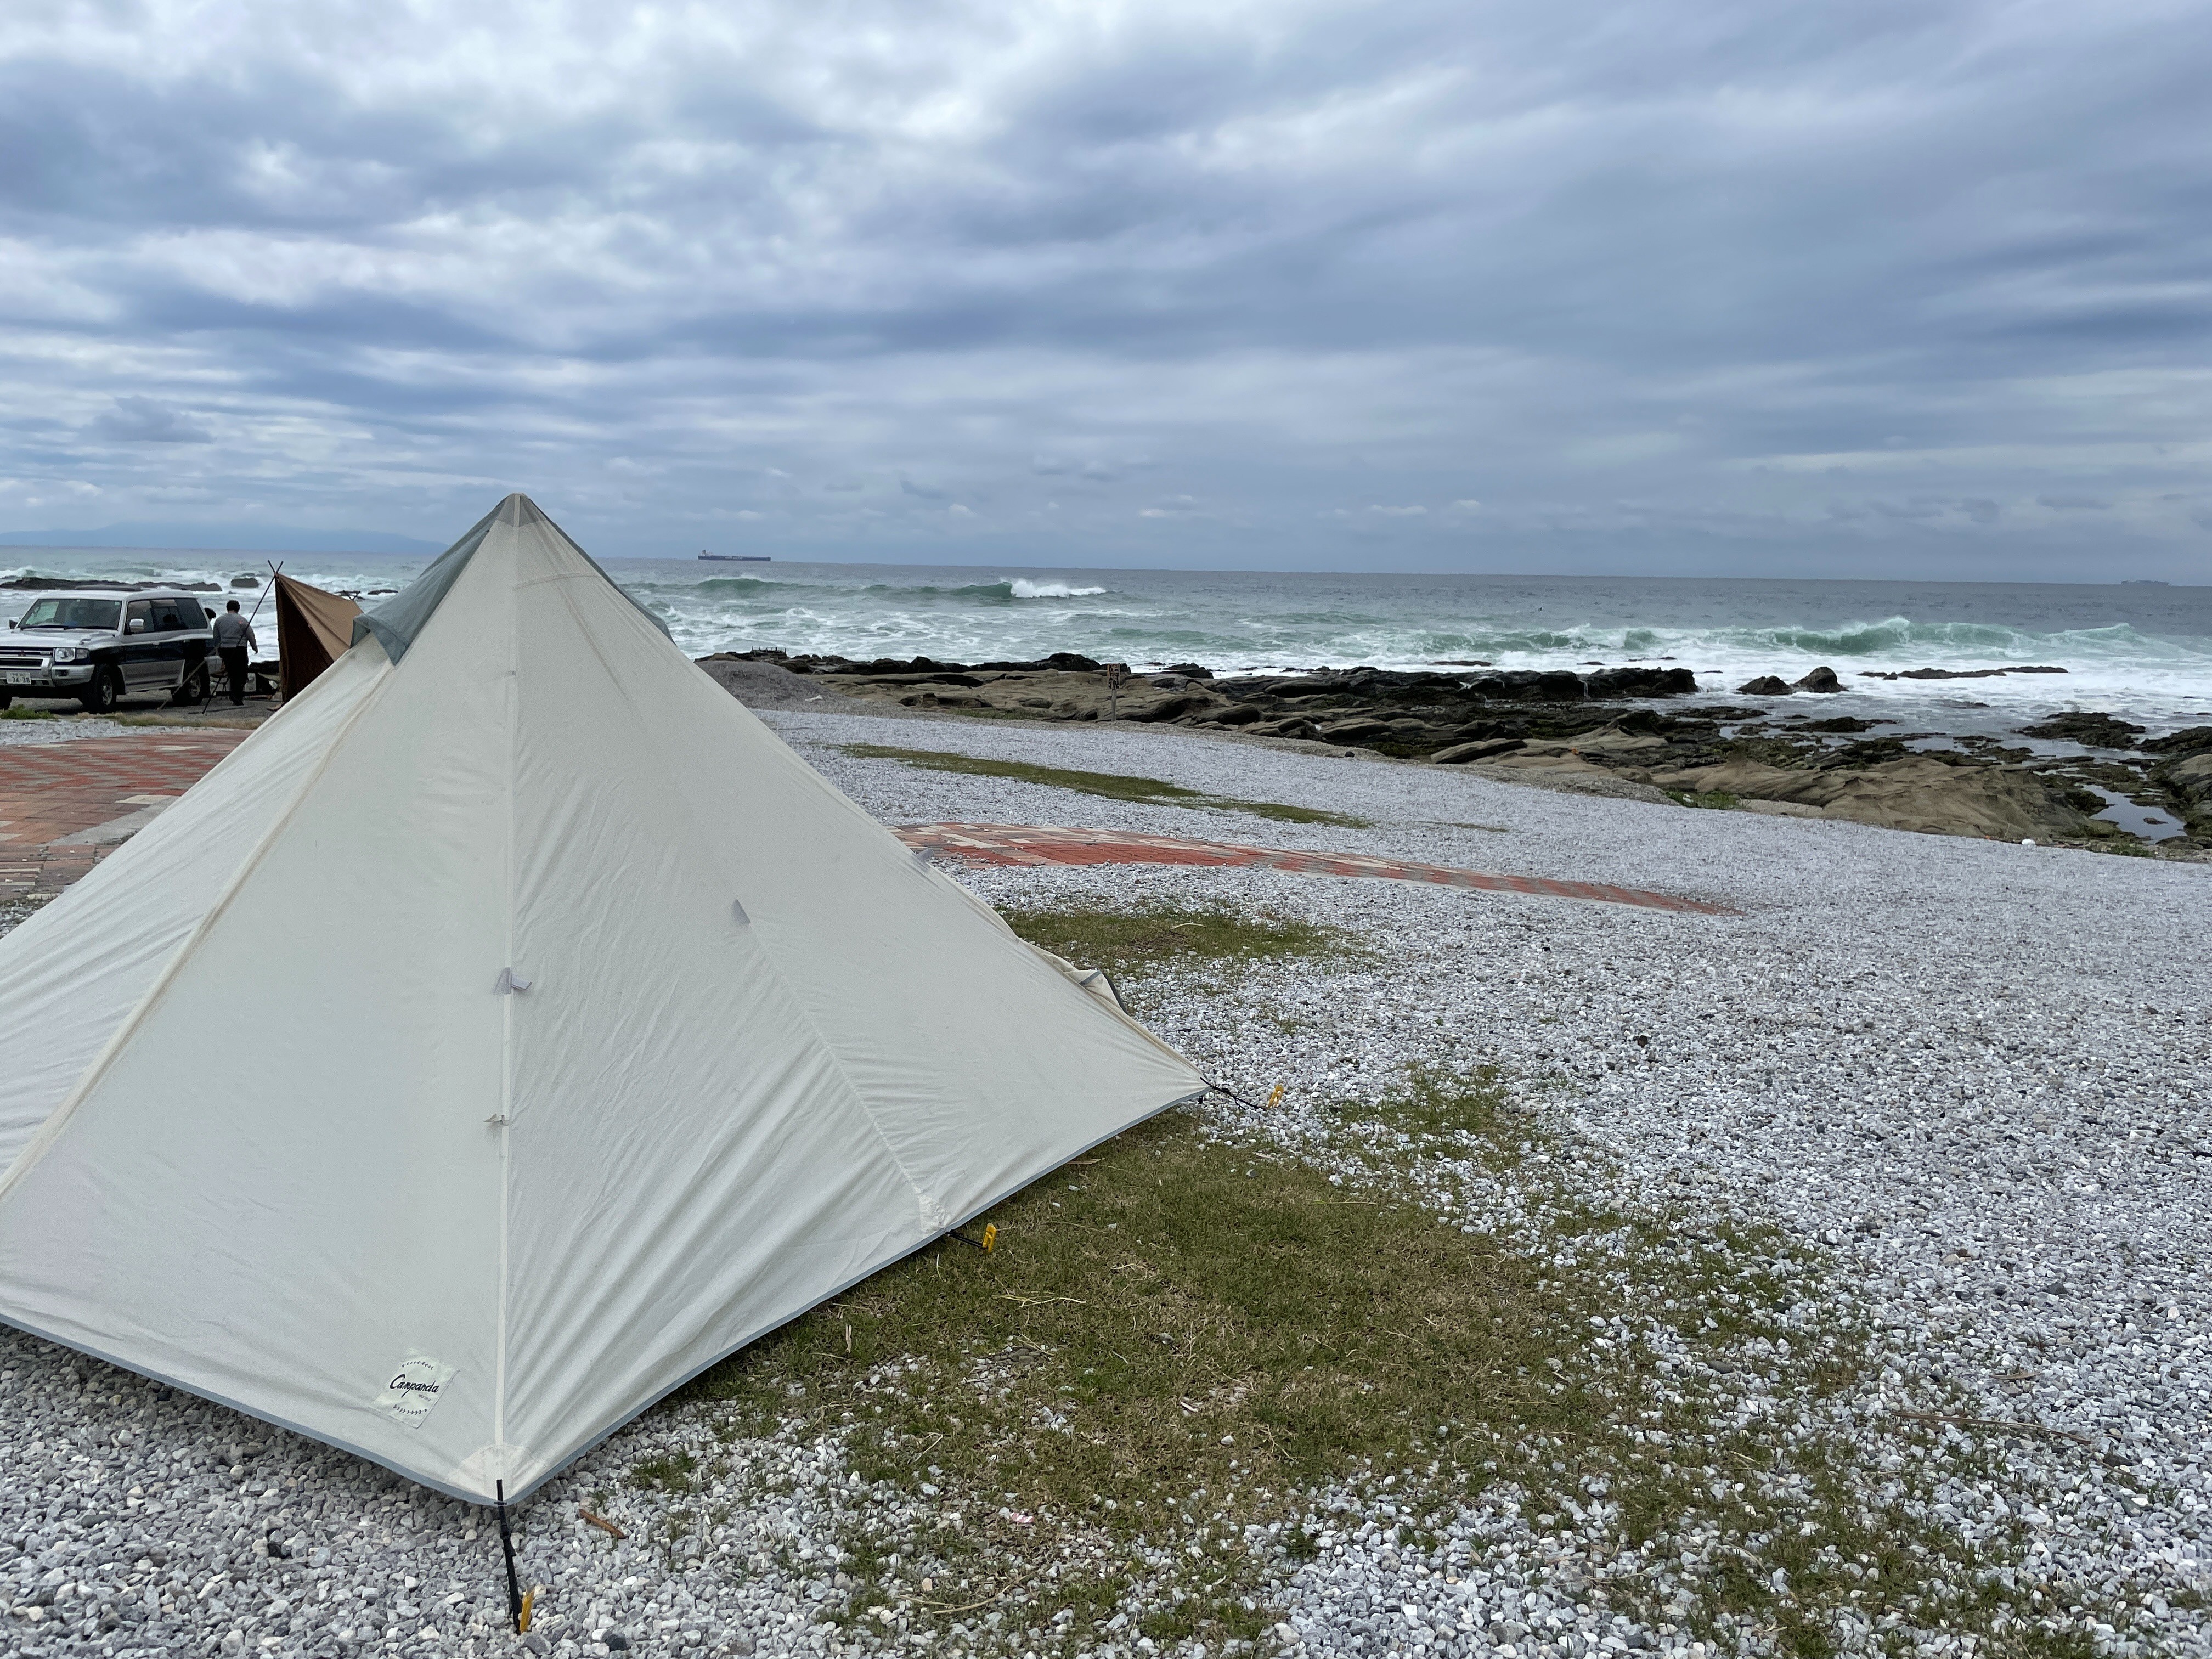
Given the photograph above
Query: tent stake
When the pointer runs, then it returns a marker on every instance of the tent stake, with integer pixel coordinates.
(507, 1546)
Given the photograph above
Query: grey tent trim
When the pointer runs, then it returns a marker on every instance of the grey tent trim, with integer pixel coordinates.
(398, 621)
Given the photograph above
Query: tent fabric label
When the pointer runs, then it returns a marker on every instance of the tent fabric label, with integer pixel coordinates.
(413, 1387)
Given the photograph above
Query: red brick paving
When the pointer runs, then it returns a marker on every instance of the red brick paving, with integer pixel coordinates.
(48, 791)
(1016, 843)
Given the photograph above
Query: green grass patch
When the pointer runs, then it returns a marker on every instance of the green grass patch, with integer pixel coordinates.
(1462, 1113)
(1162, 934)
(1182, 1339)
(12, 713)
(1714, 800)
(1110, 786)
(1173, 1336)
(675, 1473)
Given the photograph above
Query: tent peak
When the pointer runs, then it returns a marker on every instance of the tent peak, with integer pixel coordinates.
(397, 621)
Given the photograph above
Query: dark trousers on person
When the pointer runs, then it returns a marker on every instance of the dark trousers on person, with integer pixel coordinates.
(233, 665)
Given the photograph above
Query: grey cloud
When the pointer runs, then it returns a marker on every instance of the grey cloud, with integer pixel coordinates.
(2072, 503)
(1054, 466)
(1816, 291)
(143, 420)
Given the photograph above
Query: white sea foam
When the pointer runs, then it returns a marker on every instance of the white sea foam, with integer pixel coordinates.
(1024, 588)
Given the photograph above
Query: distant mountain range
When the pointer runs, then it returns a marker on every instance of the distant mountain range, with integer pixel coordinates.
(224, 537)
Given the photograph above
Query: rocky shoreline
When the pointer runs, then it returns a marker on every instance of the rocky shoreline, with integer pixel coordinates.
(1630, 730)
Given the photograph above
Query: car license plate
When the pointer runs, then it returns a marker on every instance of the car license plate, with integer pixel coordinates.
(17, 677)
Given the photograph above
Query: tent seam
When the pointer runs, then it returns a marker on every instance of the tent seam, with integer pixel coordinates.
(507, 1032)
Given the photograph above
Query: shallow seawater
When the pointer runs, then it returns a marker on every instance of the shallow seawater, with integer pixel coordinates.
(2139, 651)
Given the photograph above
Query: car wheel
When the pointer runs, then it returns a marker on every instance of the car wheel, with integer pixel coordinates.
(102, 695)
(194, 689)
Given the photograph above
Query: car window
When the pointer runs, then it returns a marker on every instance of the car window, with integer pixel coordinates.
(170, 615)
(140, 610)
(72, 613)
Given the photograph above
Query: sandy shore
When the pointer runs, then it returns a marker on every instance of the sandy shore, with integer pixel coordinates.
(1978, 1076)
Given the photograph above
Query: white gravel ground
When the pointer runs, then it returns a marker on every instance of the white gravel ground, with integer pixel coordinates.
(1978, 1070)
(22, 733)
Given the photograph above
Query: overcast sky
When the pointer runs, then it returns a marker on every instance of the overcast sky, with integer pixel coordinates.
(1691, 286)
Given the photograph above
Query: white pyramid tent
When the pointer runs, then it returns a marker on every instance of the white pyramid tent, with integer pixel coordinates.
(600, 1036)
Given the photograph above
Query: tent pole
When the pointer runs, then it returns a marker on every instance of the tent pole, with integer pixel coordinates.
(276, 570)
(507, 1546)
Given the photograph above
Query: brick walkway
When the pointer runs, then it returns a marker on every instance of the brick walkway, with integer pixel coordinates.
(52, 794)
(56, 793)
(1016, 843)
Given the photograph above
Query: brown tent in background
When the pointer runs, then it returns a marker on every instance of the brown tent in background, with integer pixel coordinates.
(313, 629)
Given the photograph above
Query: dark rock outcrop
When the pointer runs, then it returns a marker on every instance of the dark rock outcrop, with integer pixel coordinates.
(2096, 731)
(2184, 774)
(1173, 707)
(1767, 685)
(2190, 740)
(1959, 673)
(1530, 686)
(1641, 682)
(1460, 754)
(1820, 679)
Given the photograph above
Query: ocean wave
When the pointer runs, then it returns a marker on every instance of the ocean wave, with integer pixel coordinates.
(994, 593)
(736, 585)
(1024, 588)
(1901, 637)
(1898, 638)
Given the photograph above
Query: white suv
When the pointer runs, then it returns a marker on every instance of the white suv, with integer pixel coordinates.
(98, 646)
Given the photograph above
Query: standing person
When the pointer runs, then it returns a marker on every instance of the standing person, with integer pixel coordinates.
(234, 635)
